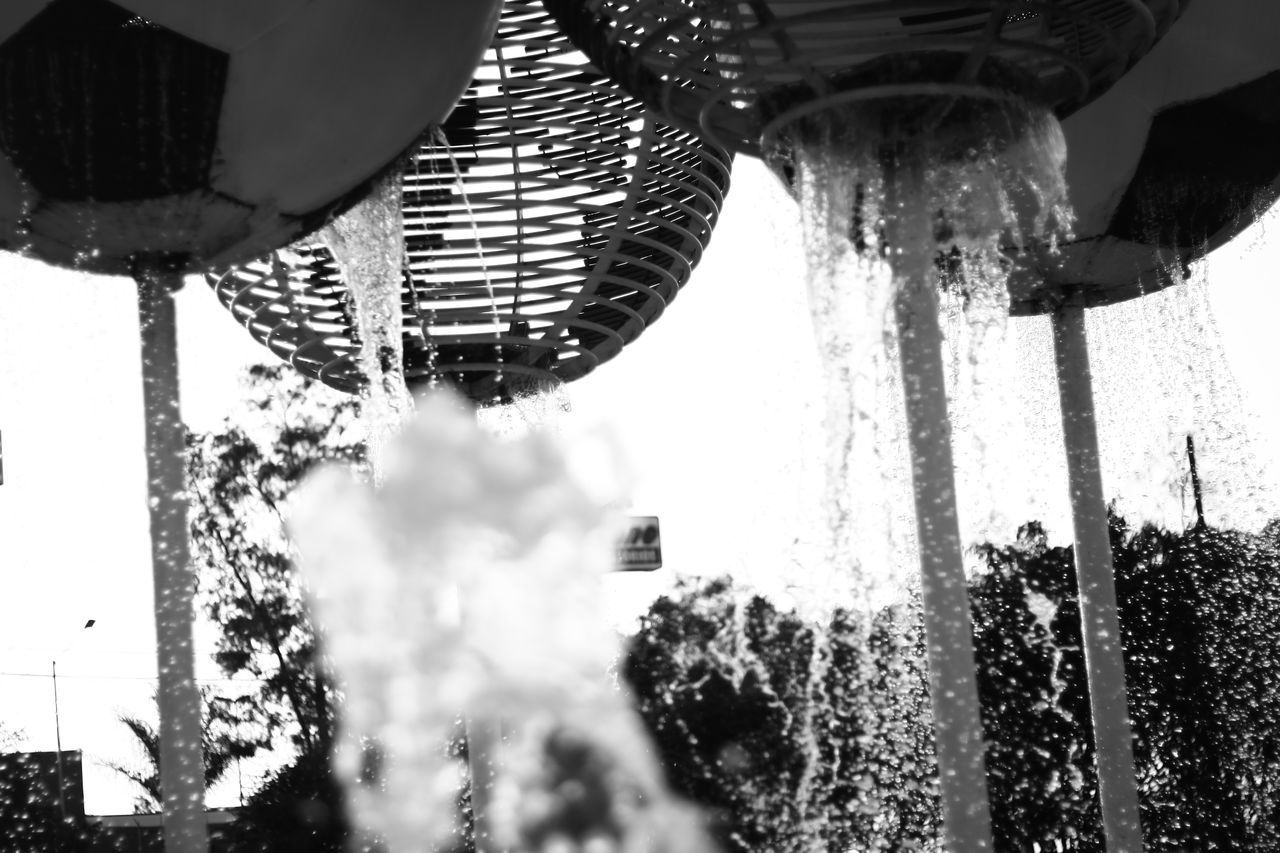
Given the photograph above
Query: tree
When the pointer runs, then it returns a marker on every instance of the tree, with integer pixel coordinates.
(801, 735)
(1040, 776)
(722, 680)
(796, 735)
(299, 808)
(11, 738)
(221, 749)
(240, 478)
(1202, 633)
(1200, 629)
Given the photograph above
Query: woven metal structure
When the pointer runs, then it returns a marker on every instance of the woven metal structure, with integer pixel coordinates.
(748, 74)
(733, 67)
(548, 223)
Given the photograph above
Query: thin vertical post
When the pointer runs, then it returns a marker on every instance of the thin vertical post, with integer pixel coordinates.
(484, 737)
(57, 733)
(1095, 574)
(966, 813)
(181, 752)
(1195, 482)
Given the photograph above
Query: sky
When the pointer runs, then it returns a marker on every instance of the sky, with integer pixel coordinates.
(719, 406)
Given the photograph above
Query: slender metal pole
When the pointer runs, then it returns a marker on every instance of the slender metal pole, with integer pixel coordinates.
(966, 814)
(57, 732)
(1195, 482)
(1095, 574)
(483, 740)
(181, 752)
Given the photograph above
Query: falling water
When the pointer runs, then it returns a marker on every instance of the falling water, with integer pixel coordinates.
(467, 583)
(535, 405)
(368, 244)
(439, 142)
(981, 201)
(857, 198)
(1162, 376)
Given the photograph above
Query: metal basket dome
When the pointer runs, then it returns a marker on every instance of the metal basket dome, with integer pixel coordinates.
(720, 65)
(548, 223)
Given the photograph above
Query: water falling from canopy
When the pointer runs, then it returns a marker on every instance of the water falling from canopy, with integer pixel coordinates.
(979, 195)
(368, 244)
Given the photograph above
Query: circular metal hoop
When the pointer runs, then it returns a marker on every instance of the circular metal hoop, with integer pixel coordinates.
(547, 224)
(715, 65)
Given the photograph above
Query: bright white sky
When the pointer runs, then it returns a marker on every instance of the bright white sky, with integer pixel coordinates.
(718, 405)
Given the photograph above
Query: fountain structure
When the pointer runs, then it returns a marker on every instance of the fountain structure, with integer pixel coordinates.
(157, 139)
(1182, 135)
(904, 132)
(910, 132)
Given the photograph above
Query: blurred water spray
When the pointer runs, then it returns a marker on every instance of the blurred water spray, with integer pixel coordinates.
(467, 583)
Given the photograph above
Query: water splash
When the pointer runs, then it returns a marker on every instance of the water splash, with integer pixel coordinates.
(983, 201)
(438, 143)
(535, 406)
(878, 211)
(1161, 375)
(368, 244)
(467, 583)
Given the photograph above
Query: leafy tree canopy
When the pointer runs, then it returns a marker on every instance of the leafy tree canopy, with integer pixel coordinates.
(222, 747)
(240, 478)
(796, 734)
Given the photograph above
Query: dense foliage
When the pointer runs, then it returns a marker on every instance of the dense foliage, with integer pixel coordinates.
(240, 479)
(800, 736)
(721, 679)
(796, 737)
(222, 748)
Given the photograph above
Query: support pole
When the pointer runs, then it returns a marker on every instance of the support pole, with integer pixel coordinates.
(57, 732)
(1095, 573)
(181, 753)
(1195, 483)
(966, 816)
(484, 738)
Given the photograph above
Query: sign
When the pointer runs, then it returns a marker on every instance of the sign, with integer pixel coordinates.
(641, 547)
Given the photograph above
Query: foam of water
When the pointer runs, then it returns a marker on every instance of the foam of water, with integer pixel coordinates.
(467, 583)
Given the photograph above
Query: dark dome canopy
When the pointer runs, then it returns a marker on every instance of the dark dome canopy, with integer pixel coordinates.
(552, 223)
(189, 133)
(1176, 160)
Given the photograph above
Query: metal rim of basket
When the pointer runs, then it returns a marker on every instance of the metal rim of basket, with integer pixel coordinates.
(706, 65)
(589, 217)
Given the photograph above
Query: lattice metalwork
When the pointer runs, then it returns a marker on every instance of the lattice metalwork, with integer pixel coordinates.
(548, 223)
(720, 65)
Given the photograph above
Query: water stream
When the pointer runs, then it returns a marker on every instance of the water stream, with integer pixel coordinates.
(1161, 375)
(981, 202)
(368, 245)
(860, 198)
